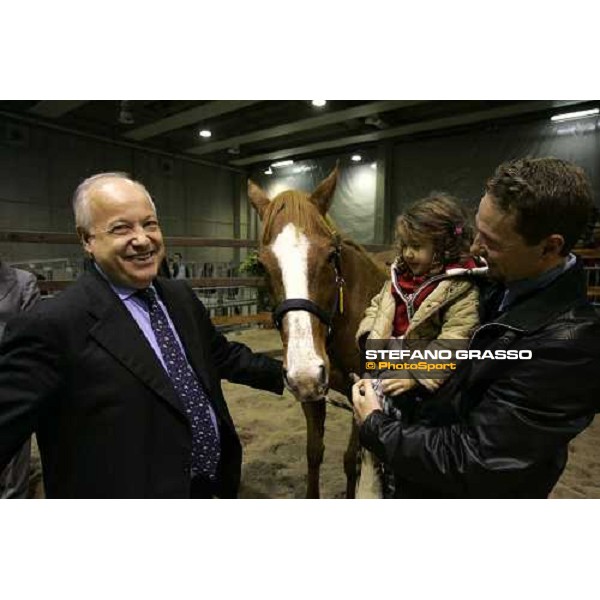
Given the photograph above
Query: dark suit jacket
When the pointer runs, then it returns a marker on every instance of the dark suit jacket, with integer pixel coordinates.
(79, 372)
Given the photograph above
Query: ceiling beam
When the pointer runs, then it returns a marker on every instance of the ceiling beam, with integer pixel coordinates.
(23, 118)
(329, 118)
(52, 109)
(188, 117)
(442, 123)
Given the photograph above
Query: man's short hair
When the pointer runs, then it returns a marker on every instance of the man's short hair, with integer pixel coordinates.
(81, 197)
(547, 196)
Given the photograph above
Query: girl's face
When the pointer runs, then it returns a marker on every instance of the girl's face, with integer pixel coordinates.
(418, 256)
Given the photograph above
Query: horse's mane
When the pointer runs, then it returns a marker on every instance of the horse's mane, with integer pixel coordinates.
(295, 208)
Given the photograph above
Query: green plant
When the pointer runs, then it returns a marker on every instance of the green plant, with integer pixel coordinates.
(251, 266)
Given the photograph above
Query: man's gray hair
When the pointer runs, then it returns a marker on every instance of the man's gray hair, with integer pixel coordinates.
(81, 198)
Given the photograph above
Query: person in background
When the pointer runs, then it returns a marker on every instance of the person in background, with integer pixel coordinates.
(120, 374)
(164, 269)
(501, 428)
(18, 292)
(178, 269)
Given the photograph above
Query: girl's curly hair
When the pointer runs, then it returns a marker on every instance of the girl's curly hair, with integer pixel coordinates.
(438, 218)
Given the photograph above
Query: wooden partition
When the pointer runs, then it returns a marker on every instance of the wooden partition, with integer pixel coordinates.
(590, 256)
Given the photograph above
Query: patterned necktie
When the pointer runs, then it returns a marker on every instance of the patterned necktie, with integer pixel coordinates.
(205, 445)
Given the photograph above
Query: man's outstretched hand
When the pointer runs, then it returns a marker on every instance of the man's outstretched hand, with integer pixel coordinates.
(364, 399)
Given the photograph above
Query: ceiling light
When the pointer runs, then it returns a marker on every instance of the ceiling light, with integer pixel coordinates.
(580, 114)
(302, 169)
(319, 103)
(125, 114)
(269, 171)
(283, 163)
(356, 157)
(373, 165)
(205, 133)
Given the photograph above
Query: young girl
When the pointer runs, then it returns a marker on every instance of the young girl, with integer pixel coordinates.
(430, 296)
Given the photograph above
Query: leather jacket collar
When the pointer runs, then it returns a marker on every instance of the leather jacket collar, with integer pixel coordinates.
(541, 306)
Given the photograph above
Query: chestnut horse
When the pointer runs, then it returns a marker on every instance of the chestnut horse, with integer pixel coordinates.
(322, 284)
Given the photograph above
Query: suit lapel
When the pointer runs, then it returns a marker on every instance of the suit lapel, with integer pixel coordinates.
(118, 333)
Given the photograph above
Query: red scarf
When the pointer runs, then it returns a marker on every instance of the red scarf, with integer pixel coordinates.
(408, 284)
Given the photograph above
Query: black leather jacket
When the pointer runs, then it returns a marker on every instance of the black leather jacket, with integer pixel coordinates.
(501, 429)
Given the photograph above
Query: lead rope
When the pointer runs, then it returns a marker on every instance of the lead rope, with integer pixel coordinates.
(339, 404)
(339, 279)
(340, 282)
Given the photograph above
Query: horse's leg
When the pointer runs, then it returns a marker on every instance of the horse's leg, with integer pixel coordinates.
(315, 429)
(351, 461)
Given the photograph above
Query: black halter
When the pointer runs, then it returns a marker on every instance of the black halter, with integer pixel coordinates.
(312, 307)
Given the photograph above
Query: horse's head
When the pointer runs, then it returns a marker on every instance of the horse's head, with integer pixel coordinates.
(300, 253)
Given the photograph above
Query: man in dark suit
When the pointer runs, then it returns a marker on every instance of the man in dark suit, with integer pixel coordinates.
(120, 374)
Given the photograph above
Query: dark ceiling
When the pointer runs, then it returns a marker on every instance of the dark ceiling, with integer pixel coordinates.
(249, 134)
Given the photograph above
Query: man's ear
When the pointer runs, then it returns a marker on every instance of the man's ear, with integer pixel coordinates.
(553, 245)
(323, 195)
(258, 198)
(84, 237)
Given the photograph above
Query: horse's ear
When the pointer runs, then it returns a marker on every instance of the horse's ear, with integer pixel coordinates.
(323, 195)
(258, 198)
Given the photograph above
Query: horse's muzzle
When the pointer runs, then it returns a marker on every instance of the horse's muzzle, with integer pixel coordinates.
(308, 387)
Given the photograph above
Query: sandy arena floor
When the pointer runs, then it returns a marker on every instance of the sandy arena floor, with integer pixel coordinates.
(273, 434)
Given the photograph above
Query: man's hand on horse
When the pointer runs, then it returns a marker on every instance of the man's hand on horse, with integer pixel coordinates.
(364, 400)
(395, 387)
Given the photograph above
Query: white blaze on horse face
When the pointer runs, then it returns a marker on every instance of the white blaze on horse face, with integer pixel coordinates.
(304, 365)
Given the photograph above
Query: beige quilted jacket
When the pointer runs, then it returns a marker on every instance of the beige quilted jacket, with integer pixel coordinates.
(450, 312)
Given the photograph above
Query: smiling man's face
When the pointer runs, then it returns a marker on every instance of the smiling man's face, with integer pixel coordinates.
(509, 256)
(124, 238)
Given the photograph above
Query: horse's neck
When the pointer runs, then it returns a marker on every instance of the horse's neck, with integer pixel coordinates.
(363, 279)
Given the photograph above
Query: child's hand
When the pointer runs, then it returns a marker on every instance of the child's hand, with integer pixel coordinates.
(395, 387)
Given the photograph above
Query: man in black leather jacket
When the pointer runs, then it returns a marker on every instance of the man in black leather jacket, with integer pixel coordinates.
(502, 428)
